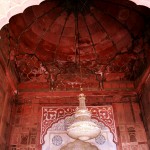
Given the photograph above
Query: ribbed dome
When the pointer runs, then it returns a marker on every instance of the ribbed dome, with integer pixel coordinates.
(54, 41)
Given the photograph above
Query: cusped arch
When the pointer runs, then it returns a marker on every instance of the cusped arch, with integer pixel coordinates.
(13, 7)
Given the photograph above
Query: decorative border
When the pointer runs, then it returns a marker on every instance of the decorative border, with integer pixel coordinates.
(51, 115)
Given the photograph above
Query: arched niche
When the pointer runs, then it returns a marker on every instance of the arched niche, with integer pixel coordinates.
(55, 121)
(56, 137)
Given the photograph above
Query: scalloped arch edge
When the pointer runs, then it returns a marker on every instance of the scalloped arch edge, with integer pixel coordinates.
(20, 7)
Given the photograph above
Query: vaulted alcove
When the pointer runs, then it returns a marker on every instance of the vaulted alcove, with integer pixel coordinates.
(51, 50)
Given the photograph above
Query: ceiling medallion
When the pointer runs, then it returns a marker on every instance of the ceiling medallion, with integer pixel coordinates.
(83, 128)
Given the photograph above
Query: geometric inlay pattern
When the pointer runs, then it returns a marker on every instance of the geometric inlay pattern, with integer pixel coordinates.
(57, 140)
(100, 139)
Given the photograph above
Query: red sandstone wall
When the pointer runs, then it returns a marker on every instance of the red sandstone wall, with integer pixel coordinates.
(5, 108)
(145, 107)
(27, 120)
(26, 127)
(7, 85)
(130, 129)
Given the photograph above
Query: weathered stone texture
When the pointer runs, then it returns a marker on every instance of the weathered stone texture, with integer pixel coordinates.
(130, 129)
(145, 107)
(7, 85)
(27, 120)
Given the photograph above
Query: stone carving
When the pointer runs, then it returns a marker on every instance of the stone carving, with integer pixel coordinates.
(53, 115)
(79, 145)
(53, 71)
(24, 139)
(100, 139)
(132, 134)
(111, 60)
(31, 69)
(57, 140)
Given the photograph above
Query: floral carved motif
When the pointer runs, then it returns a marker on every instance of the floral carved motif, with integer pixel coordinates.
(51, 115)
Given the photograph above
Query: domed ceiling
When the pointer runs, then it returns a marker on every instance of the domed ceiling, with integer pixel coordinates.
(79, 42)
